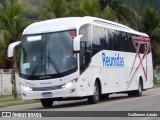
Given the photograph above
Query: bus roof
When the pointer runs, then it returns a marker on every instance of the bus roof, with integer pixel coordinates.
(68, 23)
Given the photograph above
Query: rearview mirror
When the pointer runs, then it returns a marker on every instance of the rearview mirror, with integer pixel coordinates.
(11, 48)
(76, 43)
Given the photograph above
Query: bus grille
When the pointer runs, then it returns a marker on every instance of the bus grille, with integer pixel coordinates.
(46, 88)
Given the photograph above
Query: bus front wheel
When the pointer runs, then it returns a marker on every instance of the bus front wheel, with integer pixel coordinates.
(46, 103)
(95, 97)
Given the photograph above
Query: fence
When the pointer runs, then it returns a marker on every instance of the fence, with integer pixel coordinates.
(5, 82)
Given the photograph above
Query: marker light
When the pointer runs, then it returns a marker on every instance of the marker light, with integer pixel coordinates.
(72, 33)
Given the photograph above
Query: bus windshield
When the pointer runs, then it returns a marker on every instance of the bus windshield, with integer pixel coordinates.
(47, 54)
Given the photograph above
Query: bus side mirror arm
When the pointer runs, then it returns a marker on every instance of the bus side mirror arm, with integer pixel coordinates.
(76, 43)
(11, 48)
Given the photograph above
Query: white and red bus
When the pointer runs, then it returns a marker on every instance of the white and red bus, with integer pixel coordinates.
(82, 57)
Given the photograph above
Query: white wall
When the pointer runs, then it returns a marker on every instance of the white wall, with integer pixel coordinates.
(5, 83)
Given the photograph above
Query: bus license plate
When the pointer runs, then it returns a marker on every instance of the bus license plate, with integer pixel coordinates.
(47, 94)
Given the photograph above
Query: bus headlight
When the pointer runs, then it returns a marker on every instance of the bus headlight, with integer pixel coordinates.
(26, 88)
(69, 84)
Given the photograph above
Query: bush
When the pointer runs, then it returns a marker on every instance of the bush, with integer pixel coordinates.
(156, 80)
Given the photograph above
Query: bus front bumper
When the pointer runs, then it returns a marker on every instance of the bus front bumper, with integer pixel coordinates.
(59, 93)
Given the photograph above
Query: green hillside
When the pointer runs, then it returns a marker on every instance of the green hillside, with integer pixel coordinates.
(140, 4)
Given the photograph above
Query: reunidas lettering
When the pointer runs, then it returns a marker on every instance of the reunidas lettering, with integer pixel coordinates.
(115, 61)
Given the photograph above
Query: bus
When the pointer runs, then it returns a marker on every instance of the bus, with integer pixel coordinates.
(82, 57)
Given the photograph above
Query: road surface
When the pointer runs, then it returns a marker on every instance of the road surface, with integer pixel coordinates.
(149, 101)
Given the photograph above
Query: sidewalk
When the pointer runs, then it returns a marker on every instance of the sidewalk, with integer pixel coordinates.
(10, 101)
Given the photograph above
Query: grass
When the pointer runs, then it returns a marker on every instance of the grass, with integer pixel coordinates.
(156, 85)
(10, 101)
(22, 102)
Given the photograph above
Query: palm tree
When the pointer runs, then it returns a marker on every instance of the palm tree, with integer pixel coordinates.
(82, 8)
(150, 20)
(151, 26)
(117, 11)
(109, 14)
(30, 9)
(50, 9)
(12, 23)
(89, 7)
(73, 8)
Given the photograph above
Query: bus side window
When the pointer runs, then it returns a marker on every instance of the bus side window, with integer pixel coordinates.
(131, 46)
(122, 41)
(110, 39)
(115, 40)
(82, 54)
(85, 47)
(142, 47)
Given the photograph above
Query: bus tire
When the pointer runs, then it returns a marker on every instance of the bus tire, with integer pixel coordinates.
(104, 96)
(95, 97)
(47, 103)
(131, 93)
(138, 92)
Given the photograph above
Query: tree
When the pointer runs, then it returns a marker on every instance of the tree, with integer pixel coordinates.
(30, 9)
(67, 8)
(118, 11)
(89, 7)
(12, 23)
(151, 26)
(150, 20)
(50, 9)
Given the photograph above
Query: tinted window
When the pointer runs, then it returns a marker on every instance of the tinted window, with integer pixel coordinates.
(110, 39)
(131, 44)
(104, 38)
(85, 44)
(96, 38)
(123, 41)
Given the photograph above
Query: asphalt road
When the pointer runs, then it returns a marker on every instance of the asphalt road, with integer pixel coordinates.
(149, 101)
